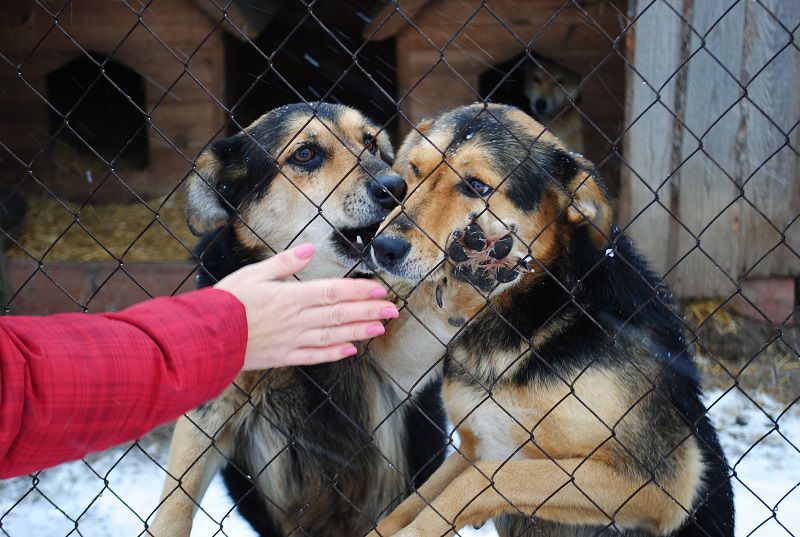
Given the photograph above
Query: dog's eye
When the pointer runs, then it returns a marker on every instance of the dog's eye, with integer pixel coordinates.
(475, 187)
(369, 144)
(415, 170)
(303, 155)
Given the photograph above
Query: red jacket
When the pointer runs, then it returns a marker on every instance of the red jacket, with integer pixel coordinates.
(75, 383)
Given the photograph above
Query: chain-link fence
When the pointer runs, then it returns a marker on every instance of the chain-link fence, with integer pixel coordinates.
(570, 372)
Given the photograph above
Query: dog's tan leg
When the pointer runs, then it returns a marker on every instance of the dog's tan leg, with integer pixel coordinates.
(451, 468)
(597, 495)
(193, 462)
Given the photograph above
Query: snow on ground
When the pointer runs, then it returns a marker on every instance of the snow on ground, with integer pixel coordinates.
(766, 460)
(762, 447)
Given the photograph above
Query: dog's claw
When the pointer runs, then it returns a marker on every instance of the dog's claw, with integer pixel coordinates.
(502, 247)
(474, 237)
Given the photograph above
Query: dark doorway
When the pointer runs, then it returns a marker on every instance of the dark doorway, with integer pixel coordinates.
(504, 83)
(100, 113)
(324, 57)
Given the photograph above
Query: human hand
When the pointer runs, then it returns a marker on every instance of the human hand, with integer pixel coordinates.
(303, 323)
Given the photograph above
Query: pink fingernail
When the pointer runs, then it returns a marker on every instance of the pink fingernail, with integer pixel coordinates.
(304, 251)
(390, 313)
(375, 330)
(380, 292)
(348, 350)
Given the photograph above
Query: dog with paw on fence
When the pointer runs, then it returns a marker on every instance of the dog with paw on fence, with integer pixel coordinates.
(569, 382)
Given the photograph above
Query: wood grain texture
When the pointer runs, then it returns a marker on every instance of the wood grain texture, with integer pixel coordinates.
(707, 183)
(730, 140)
(439, 64)
(769, 168)
(173, 36)
(651, 98)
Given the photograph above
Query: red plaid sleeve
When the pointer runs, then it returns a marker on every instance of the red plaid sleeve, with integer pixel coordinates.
(75, 383)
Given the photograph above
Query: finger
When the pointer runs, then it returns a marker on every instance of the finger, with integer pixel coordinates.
(347, 312)
(318, 355)
(284, 264)
(328, 292)
(337, 335)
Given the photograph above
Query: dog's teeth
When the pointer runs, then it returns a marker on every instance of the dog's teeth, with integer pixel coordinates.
(359, 240)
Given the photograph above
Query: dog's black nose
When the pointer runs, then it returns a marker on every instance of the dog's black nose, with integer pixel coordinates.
(388, 190)
(389, 251)
(541, 106)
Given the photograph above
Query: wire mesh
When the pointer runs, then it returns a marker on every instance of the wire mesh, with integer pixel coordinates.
(687, 109)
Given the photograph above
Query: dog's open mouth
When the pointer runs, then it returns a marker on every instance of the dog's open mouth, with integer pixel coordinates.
(355, 240)
(352, 243)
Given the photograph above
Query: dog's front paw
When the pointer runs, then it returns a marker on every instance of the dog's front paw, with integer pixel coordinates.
(482, 259)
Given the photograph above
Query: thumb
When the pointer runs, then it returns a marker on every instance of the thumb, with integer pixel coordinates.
(286, 263)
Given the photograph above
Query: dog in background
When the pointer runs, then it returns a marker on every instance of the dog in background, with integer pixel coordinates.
(551, 90)
(321, 450)
(570, 382)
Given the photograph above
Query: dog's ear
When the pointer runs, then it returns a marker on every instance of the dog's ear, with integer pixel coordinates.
(424, 125)
(413, 138)
(589, 206)
(217, 171)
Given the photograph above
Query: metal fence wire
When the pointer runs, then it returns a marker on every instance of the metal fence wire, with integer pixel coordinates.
(687, 109)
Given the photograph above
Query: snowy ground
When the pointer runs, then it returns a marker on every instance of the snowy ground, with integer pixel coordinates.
(766, 460)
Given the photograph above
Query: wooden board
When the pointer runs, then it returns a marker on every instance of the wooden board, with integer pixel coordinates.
(441, 59)
(645, 189)
(770, 168)
(732, 179)
(184, 108)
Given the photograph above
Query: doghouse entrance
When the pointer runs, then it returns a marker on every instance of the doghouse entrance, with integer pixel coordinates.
(102, 113)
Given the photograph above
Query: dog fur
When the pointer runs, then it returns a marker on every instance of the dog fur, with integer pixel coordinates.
(321, 450)
(570, 382)
(551, 89)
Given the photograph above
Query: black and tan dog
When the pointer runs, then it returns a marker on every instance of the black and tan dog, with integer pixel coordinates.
(321, 450)
(573, 390)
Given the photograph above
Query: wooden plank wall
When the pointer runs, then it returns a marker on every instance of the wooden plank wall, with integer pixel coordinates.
(441, 57)
(440, 60)
(711, 182)
(184, 112)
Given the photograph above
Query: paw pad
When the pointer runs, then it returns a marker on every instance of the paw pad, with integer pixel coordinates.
(482, 259)
(501, 247)
(474, 237)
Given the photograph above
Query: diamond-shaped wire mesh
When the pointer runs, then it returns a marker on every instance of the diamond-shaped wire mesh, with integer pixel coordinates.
(581, 397)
